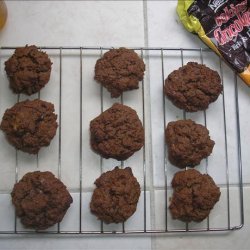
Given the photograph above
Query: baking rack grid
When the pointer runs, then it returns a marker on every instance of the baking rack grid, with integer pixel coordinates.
(150, 203)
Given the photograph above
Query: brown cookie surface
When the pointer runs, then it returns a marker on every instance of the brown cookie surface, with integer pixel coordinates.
(28, 70)
(40, 199)
(188, 143)
(117, 132)
(193, 87)
(30, 125)
(116, 195)
(194, 196)
(119, 70)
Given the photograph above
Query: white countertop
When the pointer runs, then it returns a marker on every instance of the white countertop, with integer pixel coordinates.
(118, 23)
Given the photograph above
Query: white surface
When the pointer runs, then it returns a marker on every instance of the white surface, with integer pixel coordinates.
(93, 23)
(119, 23)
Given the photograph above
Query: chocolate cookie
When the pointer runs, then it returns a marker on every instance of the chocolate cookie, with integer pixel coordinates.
(40, 199)
(116, 195)
(119, 70)
(188, 143)
(193, 87)
(30, 125)
(194, 196)
(28, 70)
(117, 133)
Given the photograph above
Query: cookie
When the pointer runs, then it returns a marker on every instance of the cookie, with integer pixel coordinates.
(40, 199)
(194, 196)
(193, 87)
(119, 70)
(117, 133)
(30, 125)
(188, 143)
(28, 70)
(116, 195)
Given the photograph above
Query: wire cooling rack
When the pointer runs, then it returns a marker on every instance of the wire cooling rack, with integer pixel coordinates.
(78, 99)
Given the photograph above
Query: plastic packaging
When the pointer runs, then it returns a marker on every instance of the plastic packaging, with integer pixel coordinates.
(224, 25)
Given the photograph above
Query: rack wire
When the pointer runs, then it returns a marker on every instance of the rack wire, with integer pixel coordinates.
(150, 204)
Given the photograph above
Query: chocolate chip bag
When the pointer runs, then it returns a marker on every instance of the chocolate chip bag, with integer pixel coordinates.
(224, 25)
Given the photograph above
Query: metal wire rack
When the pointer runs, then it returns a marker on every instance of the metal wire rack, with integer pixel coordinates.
(154, 216)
